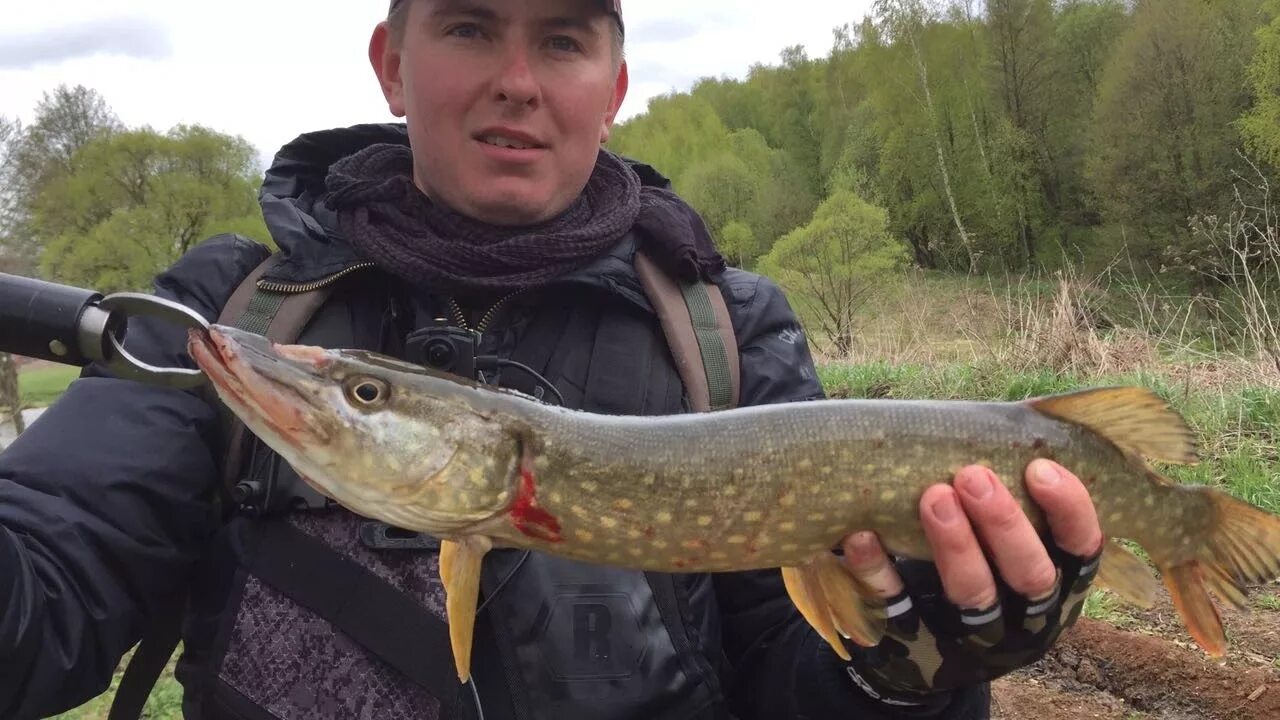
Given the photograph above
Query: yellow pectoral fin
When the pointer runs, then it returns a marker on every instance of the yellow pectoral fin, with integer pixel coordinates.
(460, 563)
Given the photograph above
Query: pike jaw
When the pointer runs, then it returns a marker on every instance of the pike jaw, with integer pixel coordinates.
(385, 439)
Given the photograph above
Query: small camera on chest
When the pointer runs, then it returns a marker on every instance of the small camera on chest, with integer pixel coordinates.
(446, 347)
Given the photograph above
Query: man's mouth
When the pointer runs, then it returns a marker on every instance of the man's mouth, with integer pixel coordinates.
(509, 138)
(503, 142)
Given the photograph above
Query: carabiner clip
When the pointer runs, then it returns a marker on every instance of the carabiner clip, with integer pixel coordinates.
(122, 363)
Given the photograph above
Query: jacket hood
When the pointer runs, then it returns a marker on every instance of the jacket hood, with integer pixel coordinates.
(306, 231)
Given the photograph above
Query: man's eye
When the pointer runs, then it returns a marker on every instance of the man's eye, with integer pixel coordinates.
(465, 30)
(564, 43)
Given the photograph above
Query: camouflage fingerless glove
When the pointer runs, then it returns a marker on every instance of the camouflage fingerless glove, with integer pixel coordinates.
(931, 646)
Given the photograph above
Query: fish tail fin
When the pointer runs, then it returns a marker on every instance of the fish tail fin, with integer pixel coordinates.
(1191, 598)
(1134, 419)
(1242, 548)
(832, 601)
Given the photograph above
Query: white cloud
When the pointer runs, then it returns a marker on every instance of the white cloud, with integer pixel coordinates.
(272, 69)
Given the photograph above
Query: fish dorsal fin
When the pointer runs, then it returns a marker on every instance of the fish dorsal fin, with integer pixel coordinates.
(1135, 419)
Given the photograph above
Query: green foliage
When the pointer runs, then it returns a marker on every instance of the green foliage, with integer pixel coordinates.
(137, 200)
(1006, 135)
(34, 157)
(833, 262)
(1261, 125)
(738, 242)
(1164, 144)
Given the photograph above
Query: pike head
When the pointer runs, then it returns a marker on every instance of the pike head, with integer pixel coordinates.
(389, 440)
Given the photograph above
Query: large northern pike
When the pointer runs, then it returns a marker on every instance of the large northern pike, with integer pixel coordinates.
(753, 487)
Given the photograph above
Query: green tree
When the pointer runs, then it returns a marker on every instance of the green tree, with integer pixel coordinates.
(1085, 35)
(40, 154)
(10, 259)
(723, 189)
(1026, 79)
(1164, 147)
(10, 402)
(738, 243)
(676, 133)
(1261, 125)
(906, 20)
(831, 264)
(137, 200)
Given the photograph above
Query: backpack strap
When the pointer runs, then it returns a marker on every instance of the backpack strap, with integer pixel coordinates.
(699, 332)
(281, 317)
(277, 315)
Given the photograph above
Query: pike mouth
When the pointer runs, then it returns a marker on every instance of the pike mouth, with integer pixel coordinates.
(263, 381)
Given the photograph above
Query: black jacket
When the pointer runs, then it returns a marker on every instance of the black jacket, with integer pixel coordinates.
(107, 508)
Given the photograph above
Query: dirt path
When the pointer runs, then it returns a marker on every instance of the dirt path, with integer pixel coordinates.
(1145, 667)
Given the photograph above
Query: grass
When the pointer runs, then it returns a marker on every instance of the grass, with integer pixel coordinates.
(41, 385)
(1268, 601)
(1104, 606)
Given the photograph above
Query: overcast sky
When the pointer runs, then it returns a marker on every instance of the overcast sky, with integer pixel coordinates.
(272, 69)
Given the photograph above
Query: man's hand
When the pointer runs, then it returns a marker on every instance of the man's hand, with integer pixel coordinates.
(1000, 597)
(979, 511)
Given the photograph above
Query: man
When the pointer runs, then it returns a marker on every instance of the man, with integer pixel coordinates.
(494, 208)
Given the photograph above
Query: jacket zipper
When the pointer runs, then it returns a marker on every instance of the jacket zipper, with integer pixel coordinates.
(314, 285)
(458, 317)
(489, 315)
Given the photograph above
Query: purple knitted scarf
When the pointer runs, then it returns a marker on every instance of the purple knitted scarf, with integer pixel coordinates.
(388, 219)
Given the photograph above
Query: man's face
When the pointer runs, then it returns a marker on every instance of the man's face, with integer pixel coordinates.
(506, 101)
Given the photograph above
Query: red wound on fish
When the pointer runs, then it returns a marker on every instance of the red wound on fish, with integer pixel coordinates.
(526, 515)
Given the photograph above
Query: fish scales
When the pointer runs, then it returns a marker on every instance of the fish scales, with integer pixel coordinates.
(749, 490)
(754, 487)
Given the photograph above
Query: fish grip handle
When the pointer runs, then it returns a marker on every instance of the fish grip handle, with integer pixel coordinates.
(280, 317)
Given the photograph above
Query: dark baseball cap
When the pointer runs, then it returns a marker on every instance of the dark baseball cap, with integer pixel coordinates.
(613, 7)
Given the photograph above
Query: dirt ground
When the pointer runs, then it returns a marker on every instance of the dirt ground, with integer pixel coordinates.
(1142, 665)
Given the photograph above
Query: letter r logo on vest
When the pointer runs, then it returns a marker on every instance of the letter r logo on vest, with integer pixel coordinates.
(590, 635)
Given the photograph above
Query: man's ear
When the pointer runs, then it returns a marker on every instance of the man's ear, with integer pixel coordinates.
(615, 104)
(385, 58)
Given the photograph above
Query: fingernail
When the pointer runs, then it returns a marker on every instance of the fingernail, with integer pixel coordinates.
(946, 510)
(977, 485)
(1045, 474)
(862, 544)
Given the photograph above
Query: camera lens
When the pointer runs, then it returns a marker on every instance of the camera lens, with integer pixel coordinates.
(441, 354)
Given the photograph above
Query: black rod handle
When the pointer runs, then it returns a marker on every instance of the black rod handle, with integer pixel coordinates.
(60, 323)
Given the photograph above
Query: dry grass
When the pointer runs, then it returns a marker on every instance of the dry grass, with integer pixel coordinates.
(1106, 325)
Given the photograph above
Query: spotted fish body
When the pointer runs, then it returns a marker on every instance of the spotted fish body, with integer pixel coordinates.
(753, 487)
(770, 486)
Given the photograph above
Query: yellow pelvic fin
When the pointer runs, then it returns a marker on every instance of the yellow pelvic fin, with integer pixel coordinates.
(460, 563)
(857, 613)
(1127, 575)
(832, 601)
(1243, 548)
(1136, 419)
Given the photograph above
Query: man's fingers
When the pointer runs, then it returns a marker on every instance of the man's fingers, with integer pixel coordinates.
(1008, 535)
(966, 576)
(867, 560)
(1069, 510)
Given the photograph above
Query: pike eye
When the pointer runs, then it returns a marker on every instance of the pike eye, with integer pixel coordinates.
(368, 392)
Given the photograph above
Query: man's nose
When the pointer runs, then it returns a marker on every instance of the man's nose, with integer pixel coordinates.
(517, 84)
